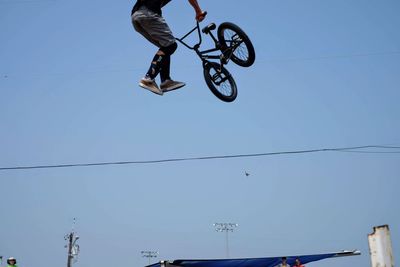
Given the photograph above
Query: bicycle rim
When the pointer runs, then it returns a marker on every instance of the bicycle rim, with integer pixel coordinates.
(220, 82)
(236, 45)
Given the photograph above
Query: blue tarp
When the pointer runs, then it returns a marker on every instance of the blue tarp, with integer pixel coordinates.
(254, 262)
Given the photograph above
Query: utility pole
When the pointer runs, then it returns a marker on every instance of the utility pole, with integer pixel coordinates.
(226, 227)
(73, 248)
(149, 254)
(70, 238)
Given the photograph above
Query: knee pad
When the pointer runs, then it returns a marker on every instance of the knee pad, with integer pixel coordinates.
(169, 50)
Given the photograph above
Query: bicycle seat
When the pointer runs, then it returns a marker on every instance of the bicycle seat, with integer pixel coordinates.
(209, 28)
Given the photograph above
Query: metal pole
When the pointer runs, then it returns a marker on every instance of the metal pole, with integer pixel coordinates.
(70, 240)
(225, 227)
(149, 254)
(227, 244)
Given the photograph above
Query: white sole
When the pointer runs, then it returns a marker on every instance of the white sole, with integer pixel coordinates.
(173, 88)
(157, 92)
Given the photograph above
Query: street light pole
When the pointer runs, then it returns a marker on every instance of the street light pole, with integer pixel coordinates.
(225, 227)
(149, 254)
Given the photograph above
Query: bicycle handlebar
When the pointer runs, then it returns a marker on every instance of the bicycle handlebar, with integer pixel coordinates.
(190, 32)
(196, 46)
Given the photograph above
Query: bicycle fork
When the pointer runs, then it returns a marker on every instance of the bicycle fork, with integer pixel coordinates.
(227, 54)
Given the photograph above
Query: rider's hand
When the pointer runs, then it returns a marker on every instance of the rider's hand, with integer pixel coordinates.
(201, 15)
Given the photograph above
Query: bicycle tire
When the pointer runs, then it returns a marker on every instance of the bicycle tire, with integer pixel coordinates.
(228, 35)
(221, 83)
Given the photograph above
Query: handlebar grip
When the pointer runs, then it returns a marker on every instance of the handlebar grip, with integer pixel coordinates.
(204, 14)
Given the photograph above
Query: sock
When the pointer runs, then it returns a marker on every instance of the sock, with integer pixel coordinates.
(165, 68)
(154, 67)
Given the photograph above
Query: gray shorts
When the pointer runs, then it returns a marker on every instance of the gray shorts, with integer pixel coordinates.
(153, 27)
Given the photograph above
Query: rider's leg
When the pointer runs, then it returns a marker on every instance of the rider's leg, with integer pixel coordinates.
(167, 84)
(161, 60)
(155, 65)
(154, 28)
(165, 72)
(148, 81)
(166, 61)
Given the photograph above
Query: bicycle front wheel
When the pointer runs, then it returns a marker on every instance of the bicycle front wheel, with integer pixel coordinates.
(220, 82)
(236, 44)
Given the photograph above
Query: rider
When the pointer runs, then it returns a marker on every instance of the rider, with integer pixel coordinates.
(298, 263)
(148, 21)
(12, 262)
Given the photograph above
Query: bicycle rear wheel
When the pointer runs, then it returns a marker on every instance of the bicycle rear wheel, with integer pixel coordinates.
(220, 82)
(236, 44)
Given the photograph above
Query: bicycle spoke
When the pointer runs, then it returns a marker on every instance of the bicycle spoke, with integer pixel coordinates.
(234, 41)
(221, 82)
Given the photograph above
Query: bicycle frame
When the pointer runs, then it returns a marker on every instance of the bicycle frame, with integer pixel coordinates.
(205, 54)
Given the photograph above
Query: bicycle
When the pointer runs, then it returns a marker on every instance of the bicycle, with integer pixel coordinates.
(234, 44)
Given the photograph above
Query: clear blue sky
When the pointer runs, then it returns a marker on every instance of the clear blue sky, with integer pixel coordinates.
(326, 75)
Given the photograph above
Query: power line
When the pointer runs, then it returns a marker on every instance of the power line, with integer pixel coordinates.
(372, 152)
(259, 61)
(325, 57)
(27, 1)
(354, 149)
